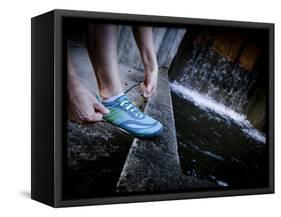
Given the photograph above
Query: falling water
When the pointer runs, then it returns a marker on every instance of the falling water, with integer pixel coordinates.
(212, 96)
(207, 103)
(207, 72)
(215, 83)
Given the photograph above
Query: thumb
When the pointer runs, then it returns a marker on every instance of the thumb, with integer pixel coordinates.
(100, 107)
(146, 87)
(147, 90)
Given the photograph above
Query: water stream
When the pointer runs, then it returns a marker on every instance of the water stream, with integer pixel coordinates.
(216, 147)
(216, 142)
(207, 72)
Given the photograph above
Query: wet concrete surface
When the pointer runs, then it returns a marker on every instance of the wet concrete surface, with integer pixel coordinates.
(95, 157)
(153, 165)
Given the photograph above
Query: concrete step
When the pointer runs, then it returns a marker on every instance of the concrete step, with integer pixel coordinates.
(97, 154)
(153, 165)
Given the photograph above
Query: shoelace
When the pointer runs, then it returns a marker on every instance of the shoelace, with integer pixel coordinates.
(133, 86)
(126, 104)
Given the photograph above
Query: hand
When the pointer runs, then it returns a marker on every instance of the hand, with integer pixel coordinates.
(144, 39)
(149, 85)
(83, 107)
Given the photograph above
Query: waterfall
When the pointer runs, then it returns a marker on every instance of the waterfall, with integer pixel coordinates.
(213, 82)
(213, 75)
(207, 103)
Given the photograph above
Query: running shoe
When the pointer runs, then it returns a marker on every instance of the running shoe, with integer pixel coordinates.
(127, 117)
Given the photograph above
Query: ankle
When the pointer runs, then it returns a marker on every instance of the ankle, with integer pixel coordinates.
(111, 99)
(107, 94)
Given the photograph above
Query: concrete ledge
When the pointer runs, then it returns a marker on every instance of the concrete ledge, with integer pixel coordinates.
(98, 153)
(153, 165)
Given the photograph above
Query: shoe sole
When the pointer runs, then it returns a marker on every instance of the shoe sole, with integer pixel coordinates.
(157, 133)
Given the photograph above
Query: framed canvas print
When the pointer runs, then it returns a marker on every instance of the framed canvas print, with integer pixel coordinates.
(130, 108)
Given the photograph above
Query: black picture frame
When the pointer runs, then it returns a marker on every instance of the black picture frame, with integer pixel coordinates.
(48, 97)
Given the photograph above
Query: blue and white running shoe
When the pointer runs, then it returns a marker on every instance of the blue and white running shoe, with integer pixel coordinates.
(126, 116)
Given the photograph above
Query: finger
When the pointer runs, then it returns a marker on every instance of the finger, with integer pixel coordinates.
(100, 108)
(98, 117)
(146, 95)
(153, 91)
(94, 117)
(147, 87)
(144, 90)
(142, 87)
